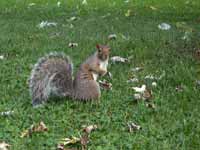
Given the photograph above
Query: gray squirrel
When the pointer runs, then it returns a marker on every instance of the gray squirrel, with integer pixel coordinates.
(52, 75)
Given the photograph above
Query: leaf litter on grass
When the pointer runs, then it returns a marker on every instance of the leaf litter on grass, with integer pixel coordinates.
(104, 84)
(83, 139)
(40, 127)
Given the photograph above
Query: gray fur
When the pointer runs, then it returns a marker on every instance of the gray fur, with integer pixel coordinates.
(51, 75)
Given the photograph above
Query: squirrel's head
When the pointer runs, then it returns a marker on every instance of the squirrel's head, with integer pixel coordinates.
(103, 51)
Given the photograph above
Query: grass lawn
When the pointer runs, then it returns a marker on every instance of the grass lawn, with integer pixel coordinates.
(174, 124)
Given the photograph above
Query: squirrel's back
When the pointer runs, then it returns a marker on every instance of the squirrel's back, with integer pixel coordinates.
(52, 75)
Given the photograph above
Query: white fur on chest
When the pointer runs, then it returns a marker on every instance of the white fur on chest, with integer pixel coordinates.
(103, 65)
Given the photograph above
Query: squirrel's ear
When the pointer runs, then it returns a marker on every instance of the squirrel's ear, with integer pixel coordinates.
(98, 46)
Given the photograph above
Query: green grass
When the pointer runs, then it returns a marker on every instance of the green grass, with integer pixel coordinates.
(175, 123)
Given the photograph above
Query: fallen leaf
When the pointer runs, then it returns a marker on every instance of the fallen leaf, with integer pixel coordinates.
(31, 4)
(41, 127)
(128, 13)
(126, 1)
(179, 88)
(112, 37)
(142, 93)
(105, 85)
(73, 45)
(140, 89)
(136, 69)
(154, 84)
(147, 94)
(1, 57)
(149, 105)
(7, 113)
(4, 146)
(118, 59)
(58, 3)
(84, 2)
(133, 127)
(46, 24)
(84, 141)
(152, 7)
(89, 128)
(137, 96)
(71, 26)
(151, 77)
(72, 140)
(164, 26)
(67, 141)
(73, 18)
(133, 80)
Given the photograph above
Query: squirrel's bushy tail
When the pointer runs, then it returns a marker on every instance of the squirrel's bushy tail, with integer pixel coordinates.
(51, 75)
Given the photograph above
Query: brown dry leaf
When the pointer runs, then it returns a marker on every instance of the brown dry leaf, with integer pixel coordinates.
(105, 85)
(89, 128)
(84, 141)
(147, 95)
(41, 127)
(133, 127)
(4, 146)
